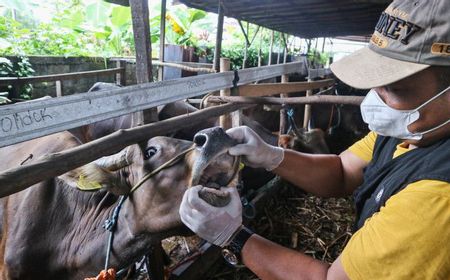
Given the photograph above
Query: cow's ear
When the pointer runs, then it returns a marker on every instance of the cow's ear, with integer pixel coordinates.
(92, 177)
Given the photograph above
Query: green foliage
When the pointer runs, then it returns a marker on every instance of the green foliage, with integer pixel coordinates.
(236, 56)
(181, 26)
(317, 58)
(22, 68)
(98, 28)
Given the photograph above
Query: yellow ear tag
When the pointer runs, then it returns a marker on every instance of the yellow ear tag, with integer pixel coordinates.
(241, 166)
(85, 185)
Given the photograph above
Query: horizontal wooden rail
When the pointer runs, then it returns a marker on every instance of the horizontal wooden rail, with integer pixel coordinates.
(185, 67)
(277, 88)
(156, 61)
(58, 163)
(317, 73)
(23, 121)
(58, 77)
(316, 99)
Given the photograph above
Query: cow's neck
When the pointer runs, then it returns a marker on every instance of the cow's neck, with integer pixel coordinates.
(143, 220)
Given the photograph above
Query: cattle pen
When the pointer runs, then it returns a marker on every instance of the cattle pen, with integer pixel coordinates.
(229, 91)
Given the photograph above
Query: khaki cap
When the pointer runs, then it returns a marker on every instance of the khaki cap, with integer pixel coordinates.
(410, 36)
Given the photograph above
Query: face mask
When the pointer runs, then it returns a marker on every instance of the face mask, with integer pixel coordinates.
(387, 121)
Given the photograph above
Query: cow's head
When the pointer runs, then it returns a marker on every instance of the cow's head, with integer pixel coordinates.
(159, 197)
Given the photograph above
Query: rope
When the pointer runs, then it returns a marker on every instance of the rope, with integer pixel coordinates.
(291, 120)
(235, 88)
(168, 163)
(110, 225)
(204, 99)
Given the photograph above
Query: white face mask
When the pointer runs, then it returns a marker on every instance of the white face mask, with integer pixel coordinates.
(387, 121)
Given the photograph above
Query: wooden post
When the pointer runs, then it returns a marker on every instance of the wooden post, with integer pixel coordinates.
(59, 89)
(225, 120)
(141, 31)
(307, 115)
(323, 44)
(260, 47)
(247, 45)
(218, 47)
(271, 48)
(17, 85)
(162, 39)
(121, 78)
(283, 114)
(284, 79)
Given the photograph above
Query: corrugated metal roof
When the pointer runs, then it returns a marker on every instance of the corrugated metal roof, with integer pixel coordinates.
(303, 18)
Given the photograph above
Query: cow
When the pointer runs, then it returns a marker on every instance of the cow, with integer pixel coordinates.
(308, 141)
(53, 230)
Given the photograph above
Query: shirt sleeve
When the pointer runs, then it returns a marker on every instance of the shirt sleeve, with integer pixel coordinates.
(364, 147)
(409, 238)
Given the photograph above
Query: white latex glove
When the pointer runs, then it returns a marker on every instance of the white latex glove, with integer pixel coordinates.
(214, 224)
(256, 153)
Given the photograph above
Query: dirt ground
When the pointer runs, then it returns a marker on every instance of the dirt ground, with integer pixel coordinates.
(318, 227)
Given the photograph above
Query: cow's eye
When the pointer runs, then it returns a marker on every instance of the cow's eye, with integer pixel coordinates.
(149, 152)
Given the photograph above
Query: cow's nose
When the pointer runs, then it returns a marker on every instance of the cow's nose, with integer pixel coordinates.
(212, 139)
(200, 139)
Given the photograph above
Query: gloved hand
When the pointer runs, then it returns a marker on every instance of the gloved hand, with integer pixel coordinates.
(256, 153)
(214, 224)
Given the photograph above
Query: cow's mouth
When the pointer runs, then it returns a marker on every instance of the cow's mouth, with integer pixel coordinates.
(213, 167)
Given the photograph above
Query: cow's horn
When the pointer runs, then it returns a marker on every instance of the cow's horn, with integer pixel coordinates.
(116, 161)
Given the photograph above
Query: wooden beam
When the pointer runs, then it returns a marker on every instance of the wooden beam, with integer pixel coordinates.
(24, 121)
(58, 77)
(121, 77)
(283, 112)
(16, 179)
(276, 88)
(316, 99)
(218, 47)
(225, 120)
(307, 113)
(162, 38)
(59, 88)
(143, 47)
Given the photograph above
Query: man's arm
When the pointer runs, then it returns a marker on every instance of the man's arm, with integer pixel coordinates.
(322, 175)
(271, 261)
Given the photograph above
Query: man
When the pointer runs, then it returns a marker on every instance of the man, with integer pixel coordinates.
(399, 173)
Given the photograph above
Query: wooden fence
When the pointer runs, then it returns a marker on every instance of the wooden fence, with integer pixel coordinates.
(28, 120)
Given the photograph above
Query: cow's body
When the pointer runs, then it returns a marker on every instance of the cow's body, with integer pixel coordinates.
(52, 230)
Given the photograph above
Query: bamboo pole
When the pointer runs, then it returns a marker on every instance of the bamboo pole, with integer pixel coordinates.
(307, 114)
(316, 99)
(162, 38)
(218, 47)
(225, 120)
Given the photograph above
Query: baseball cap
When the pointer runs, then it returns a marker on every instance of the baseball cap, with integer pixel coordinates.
(410, 36)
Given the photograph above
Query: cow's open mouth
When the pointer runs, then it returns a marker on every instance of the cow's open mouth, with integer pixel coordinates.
(213, 183)
(213, 167)
(218, 174)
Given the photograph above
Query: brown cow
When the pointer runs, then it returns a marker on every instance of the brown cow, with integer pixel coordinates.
(53, 230)
(306, 141)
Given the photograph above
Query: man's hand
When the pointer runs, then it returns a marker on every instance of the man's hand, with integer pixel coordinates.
(256, 153)
(214, 224)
